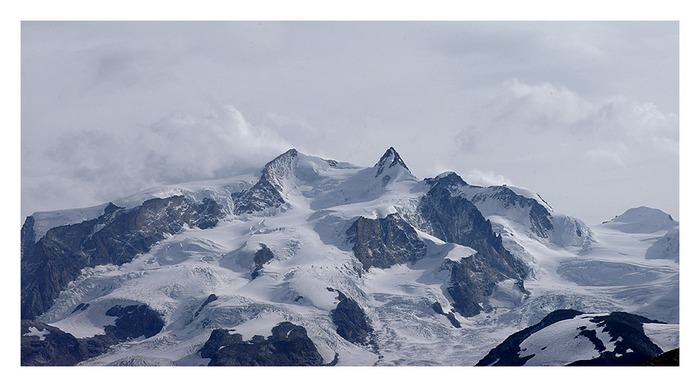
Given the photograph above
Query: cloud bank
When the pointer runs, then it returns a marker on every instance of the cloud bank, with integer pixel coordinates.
(585, 147)
(100, 166)
(585, 113)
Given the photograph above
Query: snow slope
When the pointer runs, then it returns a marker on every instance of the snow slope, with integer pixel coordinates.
(602, 270)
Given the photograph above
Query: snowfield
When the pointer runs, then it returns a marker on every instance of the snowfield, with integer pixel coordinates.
(603, 269)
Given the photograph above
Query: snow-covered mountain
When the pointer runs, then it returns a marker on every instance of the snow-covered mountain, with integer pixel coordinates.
(320, 262)
(570, 337)
(642, 220)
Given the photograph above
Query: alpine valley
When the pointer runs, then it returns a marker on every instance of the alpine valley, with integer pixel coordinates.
(320, 262)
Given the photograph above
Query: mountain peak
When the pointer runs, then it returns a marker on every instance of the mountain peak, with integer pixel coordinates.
(279, 168)
(390, 158)
(642, 220)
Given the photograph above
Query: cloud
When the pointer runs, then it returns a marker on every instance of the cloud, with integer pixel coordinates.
(189, 147)
(614, 153)
(141, 103)
(564, 144)
(486, 178)
(546, 119)
(101, 166)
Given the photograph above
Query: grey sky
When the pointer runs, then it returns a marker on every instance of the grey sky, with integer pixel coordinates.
(584, 113)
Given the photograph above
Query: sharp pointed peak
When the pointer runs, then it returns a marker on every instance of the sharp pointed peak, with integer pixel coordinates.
(288, 155)
(390, 158)
(275, 170)
(390, 152)
(292, 152)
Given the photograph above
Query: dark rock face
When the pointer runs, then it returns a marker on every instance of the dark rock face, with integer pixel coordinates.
(473, 279)
(632, 346)
(208, 213)
(390, 159)
(351, 321)
(267, 192)
(212, 297)
(115, 237)
(261, 257)
(540, 218)
(45, 345)
(260, 196)
(385, 242)
(453, 218)
(28, 236)
(134, 321)
(506, 353)
(450, 316)
(288, 345)
(667, 359)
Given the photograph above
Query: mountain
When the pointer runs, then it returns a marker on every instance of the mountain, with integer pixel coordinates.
(642, 220)
(570, 337)
(666, 247)
(320, 262)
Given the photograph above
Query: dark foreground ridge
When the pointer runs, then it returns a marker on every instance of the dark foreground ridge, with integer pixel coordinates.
(625, 330)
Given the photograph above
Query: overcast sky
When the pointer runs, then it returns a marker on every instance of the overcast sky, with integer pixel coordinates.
(584, 113)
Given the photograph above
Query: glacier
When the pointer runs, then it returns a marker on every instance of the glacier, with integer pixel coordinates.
(248, 253)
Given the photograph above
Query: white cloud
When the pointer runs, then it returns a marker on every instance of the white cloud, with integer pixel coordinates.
(563, 144)
(614, 153)
(545, 118)
(486, 178)
(91, 167)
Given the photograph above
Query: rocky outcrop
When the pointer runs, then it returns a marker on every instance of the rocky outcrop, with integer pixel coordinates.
(474, 278)
(267, 192)
(212, 297)
(389, 159)
(451, 217)
(507, 353)
(261, 257)
(42, 344)
(115, 237)
(259, 197)
(450, 316)
(351, 321)
(385, 242)
(618, 338)
(538, 216)
(632, 346)
(133, 321)
(667, 359)
(45, 345)
(28, 236)
(288, 345)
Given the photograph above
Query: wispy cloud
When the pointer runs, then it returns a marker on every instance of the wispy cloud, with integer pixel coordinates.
(99, 166)
(486, 178)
